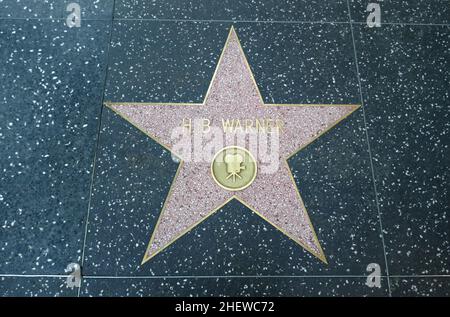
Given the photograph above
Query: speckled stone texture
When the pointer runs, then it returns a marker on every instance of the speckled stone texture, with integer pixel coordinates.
(35, 287)
(54, 9)
(239, 287)
(31, 9)
(420, 286)
(405, 11)
(143, 68)
(253, 10)
(50, 100)
(405, 73)
(300, 52)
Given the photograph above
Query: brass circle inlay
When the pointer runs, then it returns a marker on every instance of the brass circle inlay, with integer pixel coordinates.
(234, 168)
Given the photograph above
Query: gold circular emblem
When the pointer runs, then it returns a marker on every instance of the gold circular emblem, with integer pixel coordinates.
(233, 168)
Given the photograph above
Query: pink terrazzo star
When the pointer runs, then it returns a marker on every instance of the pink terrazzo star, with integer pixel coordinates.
(194, 194)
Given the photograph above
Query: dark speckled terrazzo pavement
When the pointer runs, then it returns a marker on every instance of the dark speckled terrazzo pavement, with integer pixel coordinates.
(80, 184)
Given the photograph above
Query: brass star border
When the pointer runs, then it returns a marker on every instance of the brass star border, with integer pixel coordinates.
(146, 258)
